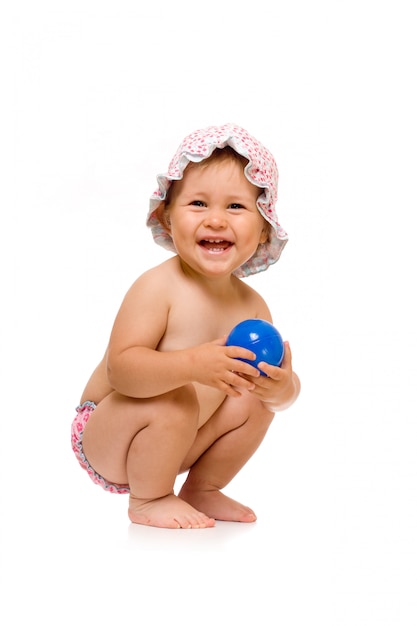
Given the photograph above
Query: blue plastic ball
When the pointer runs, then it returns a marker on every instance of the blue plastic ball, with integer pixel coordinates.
(262, 338)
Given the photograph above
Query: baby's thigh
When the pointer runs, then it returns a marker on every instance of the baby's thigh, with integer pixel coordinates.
(117, 420)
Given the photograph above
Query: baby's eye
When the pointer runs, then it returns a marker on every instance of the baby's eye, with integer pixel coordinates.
(198, 203)
(236, 205)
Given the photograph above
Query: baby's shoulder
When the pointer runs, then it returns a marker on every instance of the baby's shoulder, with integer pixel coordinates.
(247, 292)
(153, 285)
(253, 300)
(157, 276)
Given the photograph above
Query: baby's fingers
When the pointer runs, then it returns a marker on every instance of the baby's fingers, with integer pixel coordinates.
(281, 371)
(287, 360)
(245, 369)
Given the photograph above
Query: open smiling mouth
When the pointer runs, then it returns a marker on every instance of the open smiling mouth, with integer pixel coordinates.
(215, 245)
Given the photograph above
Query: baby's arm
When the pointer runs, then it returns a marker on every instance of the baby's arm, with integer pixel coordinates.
(145, 372)
(136, 368)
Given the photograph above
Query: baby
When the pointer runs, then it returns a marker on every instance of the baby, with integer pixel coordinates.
(169, 396)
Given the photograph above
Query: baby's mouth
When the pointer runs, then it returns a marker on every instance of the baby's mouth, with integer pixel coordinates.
(215, 245)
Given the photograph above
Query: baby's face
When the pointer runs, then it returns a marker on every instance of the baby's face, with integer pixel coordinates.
(213, 218)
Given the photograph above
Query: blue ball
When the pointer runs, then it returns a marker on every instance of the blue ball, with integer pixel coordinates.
(262, 338)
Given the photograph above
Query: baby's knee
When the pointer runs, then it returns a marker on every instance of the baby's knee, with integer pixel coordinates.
(259, 411)
(247, 408)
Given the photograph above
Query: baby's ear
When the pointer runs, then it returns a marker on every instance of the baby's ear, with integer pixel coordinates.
(266, 231)
(162, 214)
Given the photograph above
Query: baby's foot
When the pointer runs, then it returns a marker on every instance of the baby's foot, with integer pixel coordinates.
(218, 506)
(167, 512)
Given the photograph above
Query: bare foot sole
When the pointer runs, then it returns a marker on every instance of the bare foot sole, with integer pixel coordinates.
(217, 505)
(167, 512)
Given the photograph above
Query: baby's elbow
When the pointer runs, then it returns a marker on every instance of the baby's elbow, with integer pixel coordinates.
(112, 380)
(111, 370)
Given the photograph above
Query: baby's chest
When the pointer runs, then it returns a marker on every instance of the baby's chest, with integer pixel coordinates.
(196, 324)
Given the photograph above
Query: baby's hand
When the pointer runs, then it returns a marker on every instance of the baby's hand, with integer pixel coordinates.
(280, 387)
(217, 365)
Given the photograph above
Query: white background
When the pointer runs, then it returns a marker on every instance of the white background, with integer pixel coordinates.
(96, 96)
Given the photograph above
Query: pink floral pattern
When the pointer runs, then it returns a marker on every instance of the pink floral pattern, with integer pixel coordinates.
(83, 414)
(261, 171)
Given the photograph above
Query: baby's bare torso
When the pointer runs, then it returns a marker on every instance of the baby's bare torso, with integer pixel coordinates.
(192, 313)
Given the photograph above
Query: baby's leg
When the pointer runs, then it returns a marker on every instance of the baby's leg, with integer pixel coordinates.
(142, 442)
(222, 447)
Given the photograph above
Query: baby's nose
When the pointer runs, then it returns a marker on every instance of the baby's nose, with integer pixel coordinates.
(216, 218)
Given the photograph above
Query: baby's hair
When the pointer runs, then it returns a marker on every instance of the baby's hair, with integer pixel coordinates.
(220, 155)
